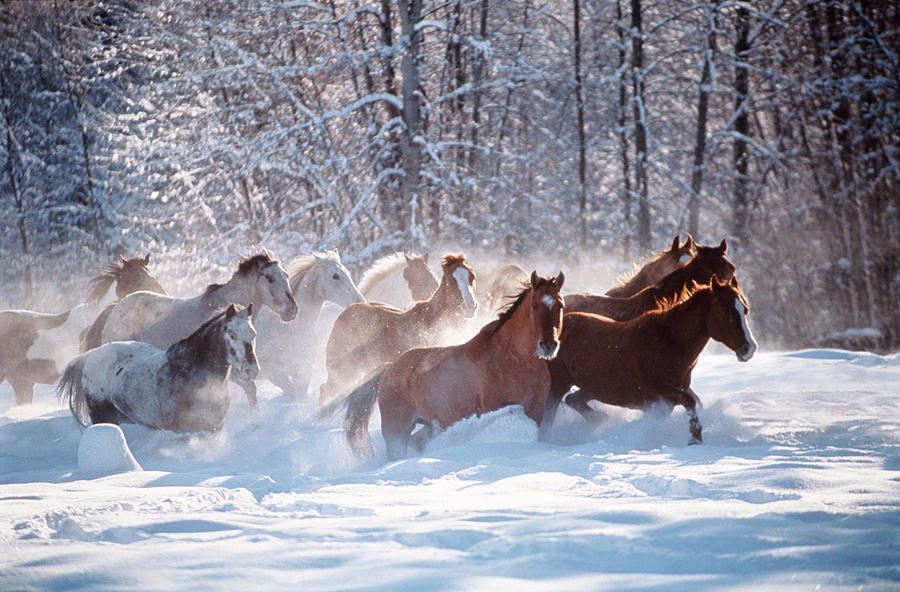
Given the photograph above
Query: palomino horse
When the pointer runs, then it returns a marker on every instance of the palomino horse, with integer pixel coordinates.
(288, 350)
(708, 262)
(378, 283)
(648, 359)
(129, 275)
(42, 355)
(652, 272)
(367, 335)
(183, 388)
(504, 364)
(163, 320)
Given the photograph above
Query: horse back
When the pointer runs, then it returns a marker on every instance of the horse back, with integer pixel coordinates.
(154, 318)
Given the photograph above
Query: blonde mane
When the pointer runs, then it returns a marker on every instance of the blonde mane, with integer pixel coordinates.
(381, 268)
(300, 265)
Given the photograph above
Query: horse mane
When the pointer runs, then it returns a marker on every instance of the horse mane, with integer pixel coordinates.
(99, 285)
(688, 292)
(245, 265)
(300, 265)
(381, 268)
(451, 259)
(638, 266)
(513, 303)
(264, 258)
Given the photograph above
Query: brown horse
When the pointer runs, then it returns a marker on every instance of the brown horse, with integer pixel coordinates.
(367, 335)
(652, 272)
(648, 359)
(129, 275)
(708, 262)
(504, 364)
(39, 357)
(376, 285)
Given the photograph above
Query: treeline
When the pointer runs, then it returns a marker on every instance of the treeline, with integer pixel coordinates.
(598, 127)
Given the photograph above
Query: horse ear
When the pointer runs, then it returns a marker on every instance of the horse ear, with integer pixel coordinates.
(675, 244)
(723, 246)
(534, 278)
(122, 259)
(250, 311)
(689, 243)
(425, 258)
(146, 259)
(230, 311)
(408, 258)
(560, 278)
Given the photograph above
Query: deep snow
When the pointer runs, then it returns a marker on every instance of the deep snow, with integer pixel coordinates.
(797, 487)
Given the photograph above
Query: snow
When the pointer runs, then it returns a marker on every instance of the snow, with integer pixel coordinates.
(796, 487)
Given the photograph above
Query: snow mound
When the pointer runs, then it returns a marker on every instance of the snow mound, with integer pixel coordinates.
(509, 424)
(103, 449)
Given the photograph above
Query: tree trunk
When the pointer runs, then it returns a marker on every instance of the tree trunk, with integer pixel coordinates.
(579, 110)
(410, 148)
(741, 205)
(702, 118)
(640, 129)
(627, 195)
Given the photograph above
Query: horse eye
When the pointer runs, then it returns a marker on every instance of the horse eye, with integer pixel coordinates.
(271, 280)
(335, 276)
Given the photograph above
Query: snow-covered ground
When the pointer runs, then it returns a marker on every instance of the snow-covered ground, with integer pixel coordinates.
(797, 487)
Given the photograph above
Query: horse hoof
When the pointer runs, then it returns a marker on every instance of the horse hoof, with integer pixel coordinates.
(695, 441)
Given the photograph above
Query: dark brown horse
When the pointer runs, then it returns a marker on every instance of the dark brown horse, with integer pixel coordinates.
(648, 359)
(367, 335)
(652, 272)
(41, 356)
(708, 262)
(129, 275)
(504, 364)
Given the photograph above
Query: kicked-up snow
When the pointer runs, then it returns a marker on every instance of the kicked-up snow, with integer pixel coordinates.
(796, 487)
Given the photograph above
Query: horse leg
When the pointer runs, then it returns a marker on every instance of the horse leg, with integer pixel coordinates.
(23, 388)
(105, 412)
(558, 388)
(249, 387)
(578, 401)
(689, 399)
(424, 435)
(396, 428)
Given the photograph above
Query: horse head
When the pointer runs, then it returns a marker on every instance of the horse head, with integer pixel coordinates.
(727, 321)
(272, 285)
(333, 282)
(458, 273)
(133, 275)
(547, 313)
(711, 261)
(239, 336)
(682, 253)
(419, 278)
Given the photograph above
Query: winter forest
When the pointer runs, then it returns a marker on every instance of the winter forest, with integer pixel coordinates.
(574, 132)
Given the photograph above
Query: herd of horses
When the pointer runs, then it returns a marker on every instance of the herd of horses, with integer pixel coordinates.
(166, 362)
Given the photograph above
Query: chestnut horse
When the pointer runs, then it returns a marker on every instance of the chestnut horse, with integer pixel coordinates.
(377, 283)
(708, 262)
(652, 272)
(504, 364)
(648, 359)
(367, 335)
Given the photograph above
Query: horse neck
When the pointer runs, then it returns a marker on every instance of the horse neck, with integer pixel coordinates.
(687, 326)
(441, 304)
(517, 334)
(202, 350)
(309, 301)
(237, 290)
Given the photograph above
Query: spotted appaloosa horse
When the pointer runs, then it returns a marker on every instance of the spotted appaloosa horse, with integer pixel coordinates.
(653, 271)
(367, 335)
(648, 359)
(183, 388)
(504, 364)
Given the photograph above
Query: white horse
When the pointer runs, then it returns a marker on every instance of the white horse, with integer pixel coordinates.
(183, 388)
(288, 350)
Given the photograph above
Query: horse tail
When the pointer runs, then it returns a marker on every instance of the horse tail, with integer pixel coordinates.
(359, 409)
(91, 337)
(71, 390)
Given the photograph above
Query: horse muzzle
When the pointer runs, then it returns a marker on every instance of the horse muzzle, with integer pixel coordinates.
(745, 352)
(289, 310)
(547, 350)
(249, 371)
(468, 309)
